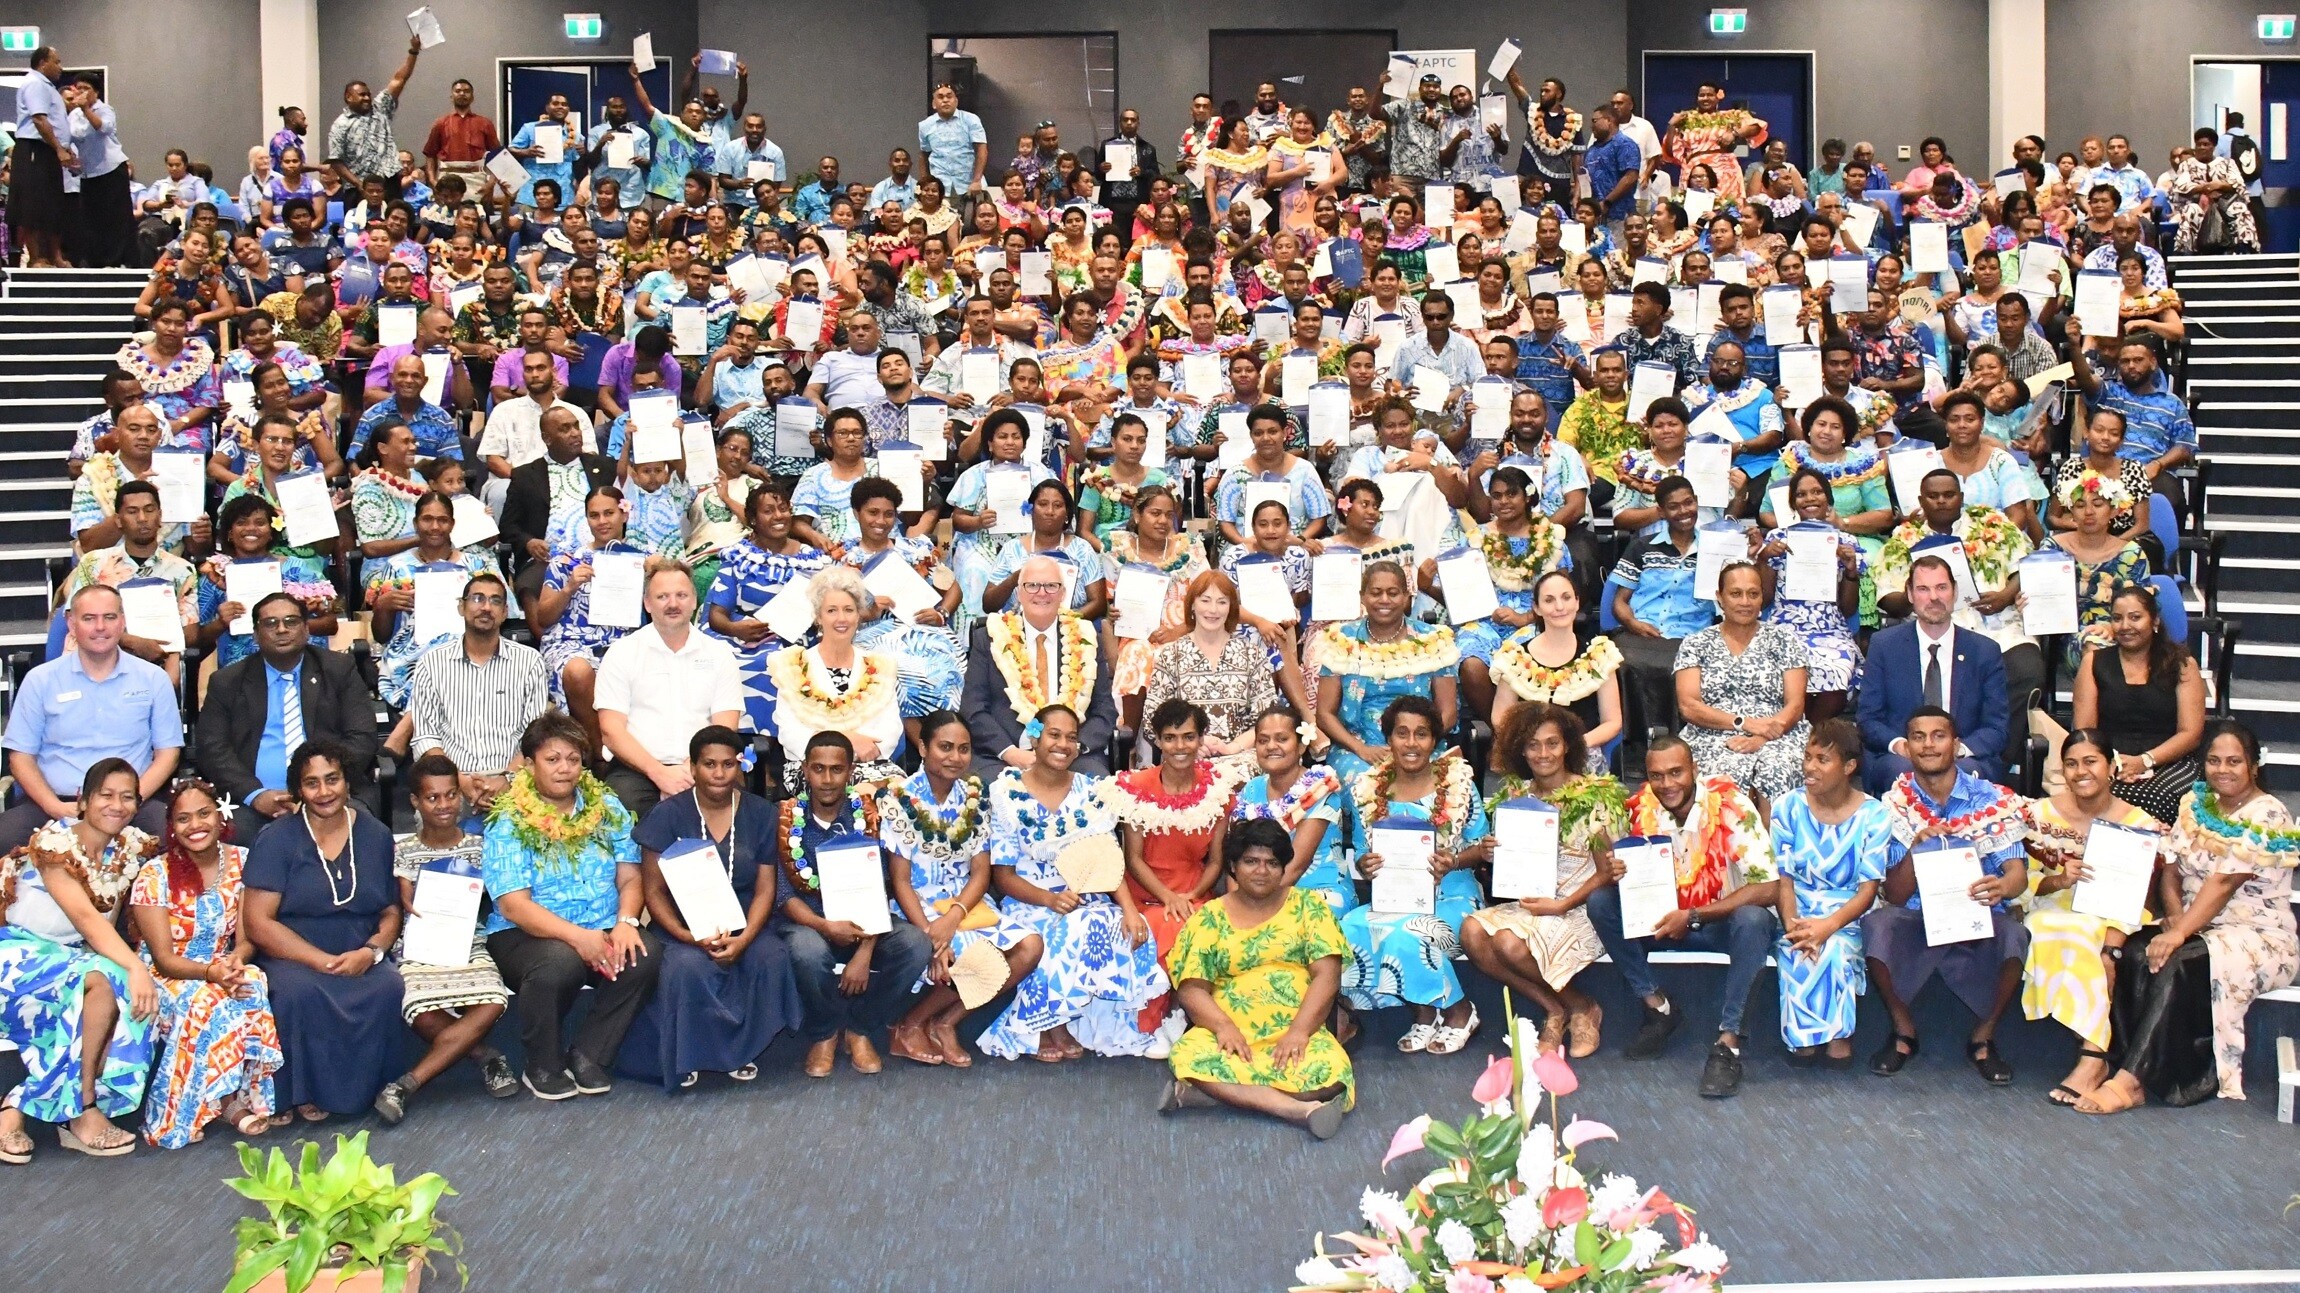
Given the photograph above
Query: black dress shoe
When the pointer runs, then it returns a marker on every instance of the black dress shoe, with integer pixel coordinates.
(547, 1083)
(1721, 1076)
(1653, 1034)
(590, 1079)
(1890, 1058)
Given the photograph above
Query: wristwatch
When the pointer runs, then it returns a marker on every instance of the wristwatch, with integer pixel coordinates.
(2148, 761)
(1740, 723)
(632, 921)
(1693, 919)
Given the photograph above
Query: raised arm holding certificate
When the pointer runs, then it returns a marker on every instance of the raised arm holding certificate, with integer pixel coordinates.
(1525, 850)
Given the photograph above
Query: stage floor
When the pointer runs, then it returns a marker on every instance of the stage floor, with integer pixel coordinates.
(1025, 1177)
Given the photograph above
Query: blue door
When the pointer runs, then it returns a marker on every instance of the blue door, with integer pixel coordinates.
(2279, 157)
(1776, 88)
(588, 86)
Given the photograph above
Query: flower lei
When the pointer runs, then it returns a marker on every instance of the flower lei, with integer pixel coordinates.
(1588, 806)
(1293, 807)
(1025, 690)
(1412, 655)
(2001, 821)
(1728, 821)
(1577, 679)
(384, 480)
(1991, 542)
(107, 877)
(2094, 485)
(794, 677)
(2221, 835)
(1640, 470)
(862, 801)
(926, 817)
(1544, 539)
(1726, 119)
(1859, 467)
(1555, 144)
(1140, 798)
(553, 837)
(1456, 791)
(1104, 480)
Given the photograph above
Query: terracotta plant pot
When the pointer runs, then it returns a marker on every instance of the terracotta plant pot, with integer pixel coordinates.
(328, 1281)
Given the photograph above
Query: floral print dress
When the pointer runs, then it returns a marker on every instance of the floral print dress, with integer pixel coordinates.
(215, 1042)
(1259, 977)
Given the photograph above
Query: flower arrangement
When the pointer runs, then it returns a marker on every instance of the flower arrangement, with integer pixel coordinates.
(1508, 1212)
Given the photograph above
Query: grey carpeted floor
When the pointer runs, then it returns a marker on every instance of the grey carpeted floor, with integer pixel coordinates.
(1024, 1177)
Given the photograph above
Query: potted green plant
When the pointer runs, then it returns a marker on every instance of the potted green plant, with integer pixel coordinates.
(345, 1226)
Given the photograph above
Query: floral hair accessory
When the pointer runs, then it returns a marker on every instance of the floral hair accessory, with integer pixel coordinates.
(2094, 485)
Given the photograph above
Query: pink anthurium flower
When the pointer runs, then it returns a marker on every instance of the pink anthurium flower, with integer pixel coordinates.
(1493, 1084)
(1581, 1131)
(1406, 1141)
(1556, 1075)
(1564, 1207)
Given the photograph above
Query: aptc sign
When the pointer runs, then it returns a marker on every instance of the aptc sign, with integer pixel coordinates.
(19, 40)
(2276, 26)
(1452, 67)
(1728, 22)
(585, 26)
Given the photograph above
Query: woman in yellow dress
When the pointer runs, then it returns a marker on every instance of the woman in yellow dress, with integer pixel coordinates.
(2071, 971)
(1258, 970)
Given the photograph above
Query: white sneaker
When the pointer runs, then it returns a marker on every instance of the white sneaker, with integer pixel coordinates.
(1447, 1039)
(1417, 1038)
(1159, 1048)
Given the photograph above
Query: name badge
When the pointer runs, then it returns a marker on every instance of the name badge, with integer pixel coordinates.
(66, 697)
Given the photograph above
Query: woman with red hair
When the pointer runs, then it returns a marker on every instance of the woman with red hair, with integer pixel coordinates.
(219, 1044)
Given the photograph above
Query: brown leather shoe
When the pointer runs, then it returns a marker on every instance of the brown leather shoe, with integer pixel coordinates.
(821, 1056)
(862, 1054)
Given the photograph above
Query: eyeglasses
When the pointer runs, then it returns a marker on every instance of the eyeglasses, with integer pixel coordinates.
(280, 622)
(1042, 588)
(485, 599)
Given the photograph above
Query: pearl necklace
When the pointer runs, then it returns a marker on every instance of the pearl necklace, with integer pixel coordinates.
(351, 855)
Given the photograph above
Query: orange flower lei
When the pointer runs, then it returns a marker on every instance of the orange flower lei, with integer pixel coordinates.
(794, 677)
(1025, 690)
(1727, 818)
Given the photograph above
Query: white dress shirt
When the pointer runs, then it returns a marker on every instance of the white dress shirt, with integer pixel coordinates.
(666, 696)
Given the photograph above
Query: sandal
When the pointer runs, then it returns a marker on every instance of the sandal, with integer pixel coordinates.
(311, 1113)
(1449, 1038)
(944, 1038)
(2073, 1095)
(252, 1123)
(1988, 1063)
(2126, 1094)
(1417, 1038)
(745, 1073)
(109, 1143)
(15, 1148)
(1890, 1058)
(908, 1042)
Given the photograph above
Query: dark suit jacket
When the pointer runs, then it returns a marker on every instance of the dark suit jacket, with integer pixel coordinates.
(1893, 686)
(527, 500)
(990, 716)
(231, 725)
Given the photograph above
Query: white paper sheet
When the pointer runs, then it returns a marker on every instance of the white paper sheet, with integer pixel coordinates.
(1945, 877)
(1810, 573)
(1202, 376)
(795, 420)
(1489, 412)
(395, 324)
(718, 62)
(507, 171)
(1709, 468)
(891, 579)
(1237, 442)
(1034, 275)
(1648, 383)
(701, 467)
(1262, 591)
(1928, 247)
(788, 614)
(690, 330)
(1271, 326)
(1139, 601)
(853, 879)
(926, 423)
(1849, 283)
(438, 609)
(1698, 203)
(1155, 433)
(306, 508)
(181, 476)
(474, 524)
(425, 26)
(2122, 860)
(1509, 193)
(437, 364)
(1648, 886)
(550, 143)
(443, 919)
(1861, 222)
(697, 878)
(1493, 110)
(1906, 465)
(2039, 261)
(1524, 227)
(643, 52)
(618, 589)
(1716, 546)
(1781, 307)
(1777, 503)
(1334, 586)
(249, 582)
(1441, 258)
(803, 325)
(1467, 584)
(1572, 237)
(1157, 267)
(240, 399)
(1801, 375)
(1006, 491)
(1525, 850)
(2098, 293)
(152, 610)
(1504, 58)
(1430, 389)
(1118, 160)
(622, 152)
(1437, 207)
(1405, 886)
(1296, 374)
(2048, 581)
(978, 374)
(1467, 306)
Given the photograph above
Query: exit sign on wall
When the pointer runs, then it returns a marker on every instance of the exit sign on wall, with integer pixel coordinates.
(19, 40)
(585, 26)
(1728, 22)
(2276, 26)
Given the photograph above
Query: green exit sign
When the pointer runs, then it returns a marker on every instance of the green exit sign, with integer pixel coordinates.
(1728, 22)
(19, 40)
(585, 26)
(2276, 26)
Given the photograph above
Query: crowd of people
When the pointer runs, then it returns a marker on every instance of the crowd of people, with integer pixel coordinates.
(1176, 611)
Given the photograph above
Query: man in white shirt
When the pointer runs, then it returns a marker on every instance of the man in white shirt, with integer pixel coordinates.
(848, 378)
(660, 685)
(514, 434)
(1648, 141)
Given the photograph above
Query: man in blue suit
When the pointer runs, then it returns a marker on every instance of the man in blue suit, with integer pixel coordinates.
(1930, 661)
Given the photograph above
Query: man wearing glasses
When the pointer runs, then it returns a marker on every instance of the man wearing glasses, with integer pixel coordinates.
(261, 708)
(1042, 648)
(470, 698)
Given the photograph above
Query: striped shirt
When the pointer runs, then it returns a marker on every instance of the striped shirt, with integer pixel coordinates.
(475, 713)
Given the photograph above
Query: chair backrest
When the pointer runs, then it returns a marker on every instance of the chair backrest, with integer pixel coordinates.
(2164, 524)
(1605, 617)
(2169, 605)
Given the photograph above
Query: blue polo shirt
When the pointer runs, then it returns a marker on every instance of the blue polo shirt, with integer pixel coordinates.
(1546, 365)
(1606, 163)
(67, 720)
(2154, 419)
(1660, 583)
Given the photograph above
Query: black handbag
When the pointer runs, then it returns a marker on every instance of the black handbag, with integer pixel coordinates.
(2217, 235)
